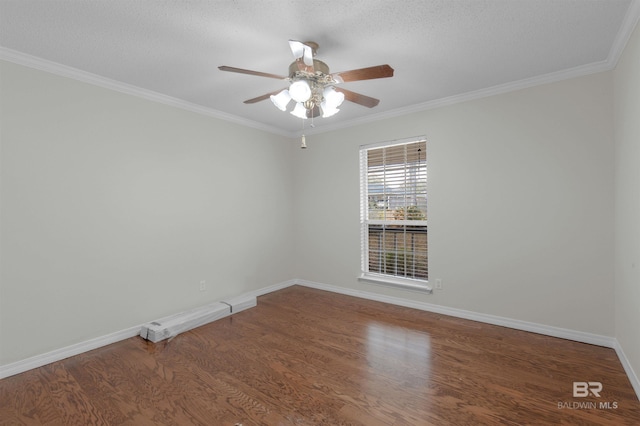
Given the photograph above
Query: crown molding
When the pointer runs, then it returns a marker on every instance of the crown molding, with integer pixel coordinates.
(30, 61)
(628, 26)
(624, 34)
(94, 79)
(626, 29)
(469, 96)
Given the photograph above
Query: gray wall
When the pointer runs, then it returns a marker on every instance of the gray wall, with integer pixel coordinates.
(115, 208)
(627, 248)
(520, 204)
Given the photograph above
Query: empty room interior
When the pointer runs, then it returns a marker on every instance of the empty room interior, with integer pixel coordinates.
(255, 175)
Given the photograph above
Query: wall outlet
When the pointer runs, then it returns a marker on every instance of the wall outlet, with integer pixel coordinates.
(203, 285)
(438, 284)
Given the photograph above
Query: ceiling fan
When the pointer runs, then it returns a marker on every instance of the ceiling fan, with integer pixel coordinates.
(312, 86)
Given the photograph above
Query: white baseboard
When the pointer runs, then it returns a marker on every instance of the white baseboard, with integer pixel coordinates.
(271, 288)
(78, 348)
(633, 377)
(579, 336)
(66, 352)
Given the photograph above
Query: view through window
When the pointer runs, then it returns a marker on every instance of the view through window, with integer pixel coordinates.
(394, 210)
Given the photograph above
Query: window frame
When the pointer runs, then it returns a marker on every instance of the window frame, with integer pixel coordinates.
(407, 283)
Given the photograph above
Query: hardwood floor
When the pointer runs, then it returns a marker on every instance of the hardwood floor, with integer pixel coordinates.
(308, 357)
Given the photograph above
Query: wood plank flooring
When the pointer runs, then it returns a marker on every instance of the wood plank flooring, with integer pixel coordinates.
(308, 357)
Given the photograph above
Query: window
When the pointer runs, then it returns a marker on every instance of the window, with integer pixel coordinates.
(393, 191)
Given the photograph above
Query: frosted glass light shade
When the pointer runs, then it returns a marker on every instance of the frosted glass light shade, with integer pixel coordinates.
(300, 111)
(327, 111)
(332, 97)
(281, 100)
(300, 91)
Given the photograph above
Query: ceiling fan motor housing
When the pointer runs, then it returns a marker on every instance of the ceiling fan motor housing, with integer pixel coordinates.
(320, 69)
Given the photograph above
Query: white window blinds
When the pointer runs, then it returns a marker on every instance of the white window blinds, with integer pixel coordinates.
(394, 210)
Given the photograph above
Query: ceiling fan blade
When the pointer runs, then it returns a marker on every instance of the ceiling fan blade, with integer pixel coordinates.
(302, 51)
(297, 48)
(250, 72)
(379, 71)
(358, 98)
(262, 98)
(307, 57)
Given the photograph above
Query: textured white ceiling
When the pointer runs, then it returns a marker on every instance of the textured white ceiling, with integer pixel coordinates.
(440, 49)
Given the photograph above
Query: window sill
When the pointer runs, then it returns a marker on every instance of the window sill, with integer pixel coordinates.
(406, 284)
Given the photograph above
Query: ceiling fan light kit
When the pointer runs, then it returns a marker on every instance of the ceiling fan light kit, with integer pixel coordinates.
(312, 86)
